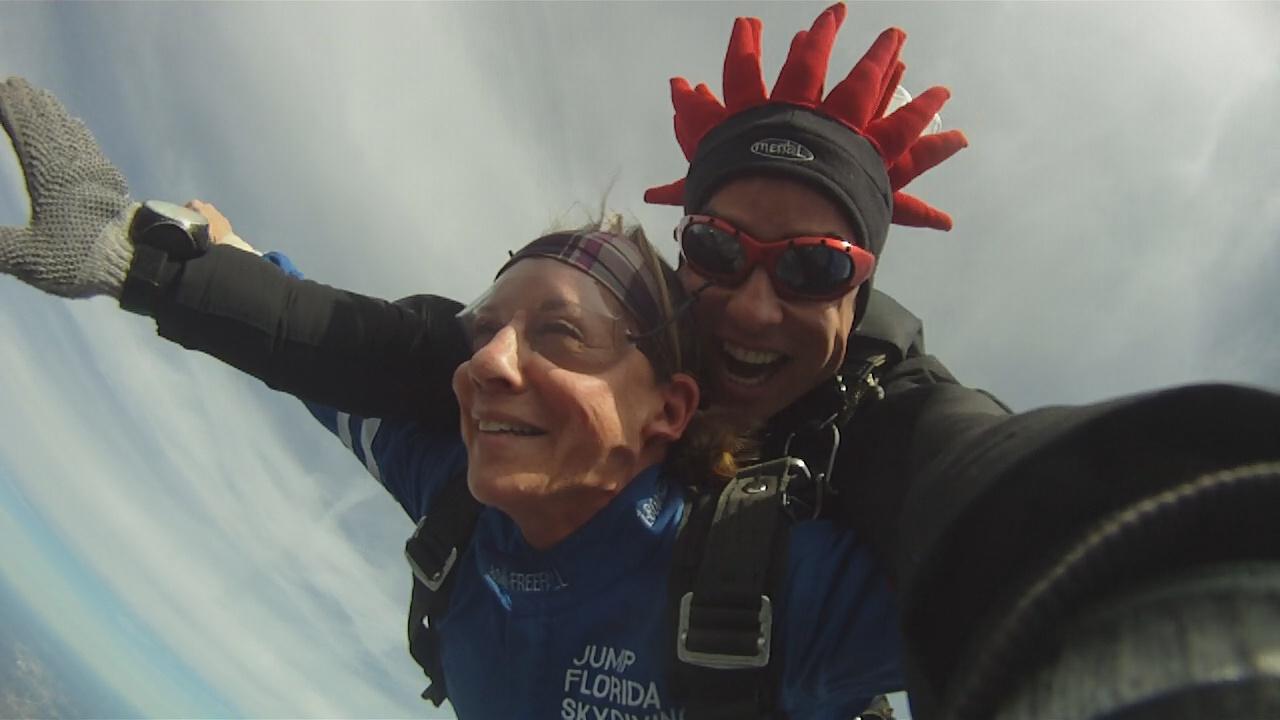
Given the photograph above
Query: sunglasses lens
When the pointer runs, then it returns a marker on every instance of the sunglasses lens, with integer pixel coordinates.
(814, 270)
(712, 251)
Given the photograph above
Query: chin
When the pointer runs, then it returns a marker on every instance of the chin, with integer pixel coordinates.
(753, 408)
(499, 489)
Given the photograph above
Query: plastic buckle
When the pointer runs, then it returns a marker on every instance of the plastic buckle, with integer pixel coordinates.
(726, 661)
(420, 545)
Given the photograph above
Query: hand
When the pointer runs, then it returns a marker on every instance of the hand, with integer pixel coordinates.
(220, 231)
(77, 242)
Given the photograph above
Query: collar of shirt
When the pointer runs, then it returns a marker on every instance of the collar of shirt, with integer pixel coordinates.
(620, 540)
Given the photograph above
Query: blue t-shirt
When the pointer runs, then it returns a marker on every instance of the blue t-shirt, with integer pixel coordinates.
(580, 630)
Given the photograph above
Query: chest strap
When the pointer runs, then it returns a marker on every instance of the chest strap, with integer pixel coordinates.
(433, 552)
(728, 563)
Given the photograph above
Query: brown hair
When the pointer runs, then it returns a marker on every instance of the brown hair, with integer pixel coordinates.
(711, 448)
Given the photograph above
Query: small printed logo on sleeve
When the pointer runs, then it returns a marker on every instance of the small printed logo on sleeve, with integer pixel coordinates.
(782, 149)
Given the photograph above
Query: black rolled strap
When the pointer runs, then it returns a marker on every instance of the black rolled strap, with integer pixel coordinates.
(432, 552)
(725, 621)
(724, 632)
(150, 275)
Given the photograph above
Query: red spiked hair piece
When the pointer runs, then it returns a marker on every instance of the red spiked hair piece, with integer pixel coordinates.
(857, 104)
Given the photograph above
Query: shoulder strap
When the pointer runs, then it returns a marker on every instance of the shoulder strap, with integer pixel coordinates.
(432, 552)
(729, 562)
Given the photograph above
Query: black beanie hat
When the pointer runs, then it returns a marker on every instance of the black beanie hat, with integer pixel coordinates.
(797, 143)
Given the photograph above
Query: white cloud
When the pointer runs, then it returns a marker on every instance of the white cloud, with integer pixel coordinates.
(200, 517)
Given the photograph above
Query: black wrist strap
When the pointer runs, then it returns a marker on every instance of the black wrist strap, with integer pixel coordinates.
(150, 274)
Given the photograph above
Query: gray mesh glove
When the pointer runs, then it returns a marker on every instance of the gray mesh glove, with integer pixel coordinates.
(77, 243)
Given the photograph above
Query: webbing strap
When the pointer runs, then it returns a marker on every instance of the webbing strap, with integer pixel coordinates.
(432, 552)
(728, 563)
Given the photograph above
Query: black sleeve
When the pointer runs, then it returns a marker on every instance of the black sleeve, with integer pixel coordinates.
(989, 518)
(998, 529)
(924, 414)
(356, 353)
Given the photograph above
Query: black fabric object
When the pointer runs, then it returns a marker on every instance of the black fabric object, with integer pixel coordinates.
(1149, 569)
(356, 353)
(924, 413)
(1114, 662)
(150, 275)
(989, 515)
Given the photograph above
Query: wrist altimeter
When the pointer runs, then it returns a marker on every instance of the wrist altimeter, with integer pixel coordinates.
(163, 236)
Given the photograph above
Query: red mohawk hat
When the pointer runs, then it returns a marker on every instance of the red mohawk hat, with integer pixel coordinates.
(840, 143)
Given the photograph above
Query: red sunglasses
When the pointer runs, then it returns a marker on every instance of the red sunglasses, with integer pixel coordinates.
(808, 267)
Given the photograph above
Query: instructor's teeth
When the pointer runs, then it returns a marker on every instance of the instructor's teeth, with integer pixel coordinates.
(492, 426)
(747, 381)
(747, 355)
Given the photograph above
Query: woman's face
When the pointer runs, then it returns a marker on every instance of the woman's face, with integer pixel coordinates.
(559, 410)
(767, 351)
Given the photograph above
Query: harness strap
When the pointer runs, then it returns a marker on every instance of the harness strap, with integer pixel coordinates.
(432, 552)
(729, 562)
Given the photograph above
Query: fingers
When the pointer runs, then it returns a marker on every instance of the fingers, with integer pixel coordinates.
(220, 231)
(54, 149)
(13, 94)
(206, 209)
(15, 253)
(219, 225)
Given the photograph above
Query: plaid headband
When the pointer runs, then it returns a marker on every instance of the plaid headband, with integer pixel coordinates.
(614, 261)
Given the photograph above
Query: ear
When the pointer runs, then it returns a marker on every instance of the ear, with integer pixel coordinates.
(680, 396)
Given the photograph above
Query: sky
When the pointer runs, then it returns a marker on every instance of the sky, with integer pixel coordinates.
(209, 551)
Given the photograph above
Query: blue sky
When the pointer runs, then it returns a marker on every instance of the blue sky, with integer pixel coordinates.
(66, 600)
(1117, 229)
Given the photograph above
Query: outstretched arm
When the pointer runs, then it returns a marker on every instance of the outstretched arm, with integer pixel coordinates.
(355, 353)
(322, 344)
(413, 465)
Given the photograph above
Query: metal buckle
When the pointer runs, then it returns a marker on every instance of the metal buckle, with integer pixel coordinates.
(432, 580)
(436, 579)
(726, 661)
(797, 507)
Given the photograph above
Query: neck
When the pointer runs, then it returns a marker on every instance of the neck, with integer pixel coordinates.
(546, 520)
(544, 524)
